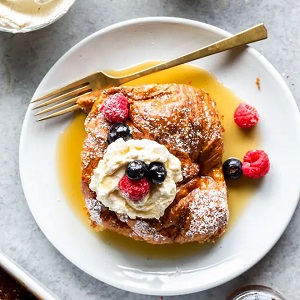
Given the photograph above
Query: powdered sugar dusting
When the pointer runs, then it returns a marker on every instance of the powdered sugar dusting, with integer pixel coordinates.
(209, 213)
(187, 122)
(95, 142)
(123, 218)
(90, 150)
(145, 231)
(94, 207)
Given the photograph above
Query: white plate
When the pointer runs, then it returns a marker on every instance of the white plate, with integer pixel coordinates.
(252, 235)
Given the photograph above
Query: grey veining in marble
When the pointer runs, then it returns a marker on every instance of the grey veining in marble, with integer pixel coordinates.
(26, 58)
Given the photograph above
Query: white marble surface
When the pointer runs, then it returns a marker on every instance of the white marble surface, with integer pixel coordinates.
(26, 58)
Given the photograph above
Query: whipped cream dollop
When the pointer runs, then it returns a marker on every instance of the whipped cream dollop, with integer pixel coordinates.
(111, 169)
(22, 14)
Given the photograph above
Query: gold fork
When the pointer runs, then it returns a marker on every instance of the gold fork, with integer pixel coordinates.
(69, 94)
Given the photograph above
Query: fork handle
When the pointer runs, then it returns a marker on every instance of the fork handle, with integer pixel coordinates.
(253, 34)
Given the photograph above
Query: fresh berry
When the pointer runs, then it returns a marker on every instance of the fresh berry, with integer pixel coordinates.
(119, 130)
(134, 190)
(256, 164)
(157, 172)
(115, 108)
(136, 169)
(232, 168)
(246, 115)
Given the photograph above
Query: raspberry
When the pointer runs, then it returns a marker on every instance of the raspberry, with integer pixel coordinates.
(134, 190)
(256, 164)
(115, 108)
(246, 115)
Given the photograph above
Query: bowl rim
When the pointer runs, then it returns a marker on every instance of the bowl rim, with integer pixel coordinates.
(67, 6)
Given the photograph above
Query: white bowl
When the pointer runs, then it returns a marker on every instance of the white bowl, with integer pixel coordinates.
(18, 16)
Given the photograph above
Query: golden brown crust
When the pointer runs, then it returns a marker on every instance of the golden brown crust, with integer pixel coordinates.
(186, 121)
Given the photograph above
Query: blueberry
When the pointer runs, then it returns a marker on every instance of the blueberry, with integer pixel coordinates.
(157, 172)
(232, 168)
(119, 130)
(136, 169)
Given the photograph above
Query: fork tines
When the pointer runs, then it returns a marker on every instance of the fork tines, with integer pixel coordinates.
(62, 99)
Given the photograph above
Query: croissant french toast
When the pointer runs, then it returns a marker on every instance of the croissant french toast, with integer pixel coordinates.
(185, 121)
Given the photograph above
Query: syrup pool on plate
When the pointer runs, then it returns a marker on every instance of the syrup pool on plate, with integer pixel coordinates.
(236, 141)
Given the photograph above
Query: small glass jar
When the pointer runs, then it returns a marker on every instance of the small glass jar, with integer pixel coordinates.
(255, 292)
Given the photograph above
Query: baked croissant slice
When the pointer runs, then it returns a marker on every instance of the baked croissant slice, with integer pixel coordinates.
(185, 122)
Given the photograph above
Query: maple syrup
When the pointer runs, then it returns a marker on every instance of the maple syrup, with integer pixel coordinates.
(236, 140)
